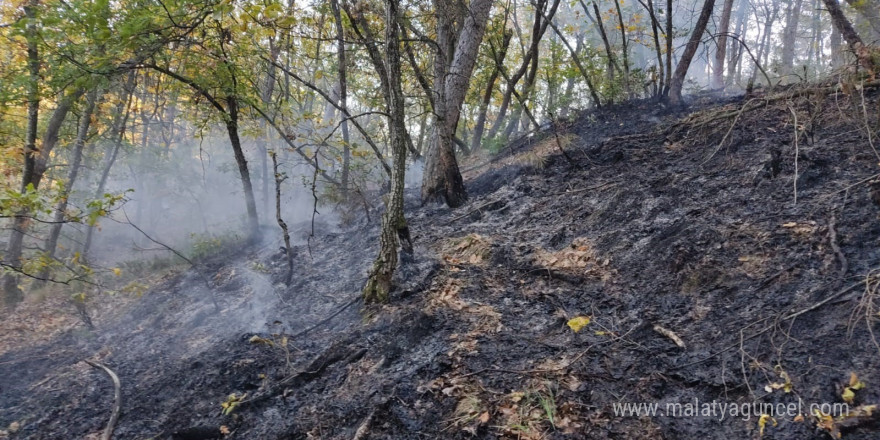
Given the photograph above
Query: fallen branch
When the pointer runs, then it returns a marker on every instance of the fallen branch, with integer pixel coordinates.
(117, 399)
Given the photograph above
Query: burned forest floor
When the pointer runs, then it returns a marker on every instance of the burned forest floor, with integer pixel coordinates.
(727, 254)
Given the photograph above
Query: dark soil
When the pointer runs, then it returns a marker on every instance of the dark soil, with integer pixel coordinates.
(645, 225)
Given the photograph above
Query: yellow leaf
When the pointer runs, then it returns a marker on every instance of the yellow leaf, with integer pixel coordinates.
(848, 395)
(855, 383)
(762, 422)
(117, 271)
(577, 323)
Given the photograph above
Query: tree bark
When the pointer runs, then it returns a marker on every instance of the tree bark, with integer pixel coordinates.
(625, 48)
(736, 49)
(655, 33)
(612, 62)
(442, 178)
(668, 47)
(394, 227)
(789, 39)
(721, 46)
(343, 93)
(684, 63)
(241, 161)
(288, 251)
(21, 224)
(12, 295)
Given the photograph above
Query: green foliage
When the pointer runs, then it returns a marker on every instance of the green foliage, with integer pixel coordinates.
(207, 245)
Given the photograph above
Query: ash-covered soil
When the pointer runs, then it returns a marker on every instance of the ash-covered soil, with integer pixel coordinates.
(733, 266)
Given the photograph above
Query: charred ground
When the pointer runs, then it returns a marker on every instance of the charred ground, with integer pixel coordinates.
(651, 222)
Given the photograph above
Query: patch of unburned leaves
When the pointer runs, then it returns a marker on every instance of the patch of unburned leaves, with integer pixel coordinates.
(578, 258)
(470, 249)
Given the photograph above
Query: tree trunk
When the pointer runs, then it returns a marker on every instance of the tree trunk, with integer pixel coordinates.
(288, 251)
(343, 94)
(626, 83)
(684, 63)
(668, 47)
(394, 228)
(789, 39)
(12, 295)
(655, 33)
(498, 57)
(850, 35)
(538, 29)
(736, 49)
(721, 46)
(121, 114)
(72, 174)
(442, 177)
(241, 161)
(612, 63)
(580, 65)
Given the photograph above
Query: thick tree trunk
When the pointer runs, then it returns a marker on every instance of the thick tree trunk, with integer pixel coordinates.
(442, 178)
(721, 46)
(684, 63)
(394, 227)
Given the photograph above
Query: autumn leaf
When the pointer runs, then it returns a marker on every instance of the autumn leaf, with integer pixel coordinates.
(579, 322)
(762, 422)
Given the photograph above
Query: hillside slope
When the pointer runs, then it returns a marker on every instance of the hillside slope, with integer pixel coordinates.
(703, 278)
